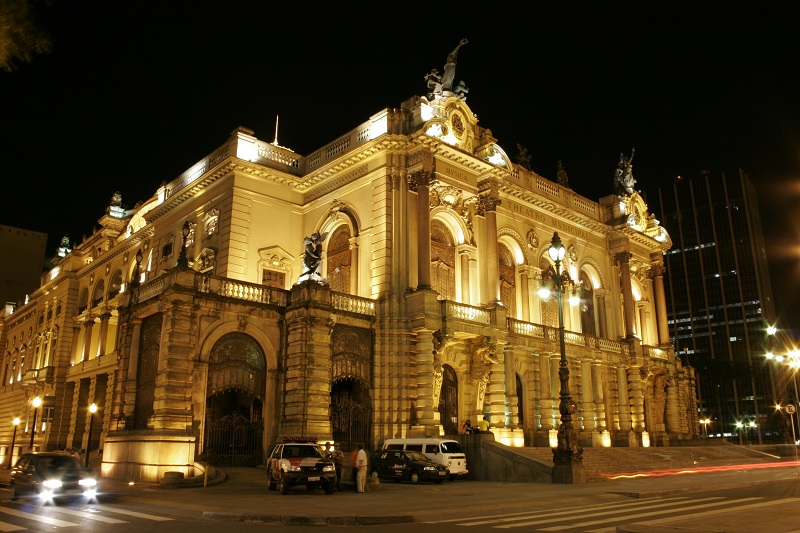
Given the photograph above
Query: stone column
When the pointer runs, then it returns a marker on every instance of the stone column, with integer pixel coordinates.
(465, 290)
(546, 395)
(489, 205)
(428, 423)
(87, 338)
(599, 395)
(587, 397)
(602, 316)
(636, 395)
(306, 403)
(496, 389)
(536, 303)
(524, 292)
(623, 400)
(172, 397)
(354, 266)
(657, 274)
(623, 260)
(101, 339)
(422, 180)
(673, 406)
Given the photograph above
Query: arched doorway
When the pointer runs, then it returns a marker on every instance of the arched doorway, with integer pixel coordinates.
(448, 401)
(234, 401)
(351, 404)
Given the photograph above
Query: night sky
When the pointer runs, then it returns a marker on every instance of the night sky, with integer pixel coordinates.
(136, 92)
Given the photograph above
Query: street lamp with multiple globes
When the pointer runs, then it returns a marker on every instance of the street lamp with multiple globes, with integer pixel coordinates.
(16, 422)
(37, 402)
(567, 455)
(92, 411)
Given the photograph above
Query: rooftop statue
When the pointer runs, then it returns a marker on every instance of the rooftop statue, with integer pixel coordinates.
(450, 67)
(623, 176)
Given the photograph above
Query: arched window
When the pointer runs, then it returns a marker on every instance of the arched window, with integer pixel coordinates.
(508, 284)
(443, 260)
(99, 292)
(115, 284)
(586, 293)
(339, 267)
(83, 301)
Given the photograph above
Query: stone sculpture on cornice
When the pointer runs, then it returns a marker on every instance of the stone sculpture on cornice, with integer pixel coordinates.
(623, 175)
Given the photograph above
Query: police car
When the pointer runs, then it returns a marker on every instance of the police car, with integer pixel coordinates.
(299, 461)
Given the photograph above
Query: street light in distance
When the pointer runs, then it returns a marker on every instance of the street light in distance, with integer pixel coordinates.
(92, 411)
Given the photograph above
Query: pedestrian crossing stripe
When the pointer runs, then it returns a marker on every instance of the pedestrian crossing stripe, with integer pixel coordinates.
(539, 514)
(651, 513)
(136, 514)
(30, 516)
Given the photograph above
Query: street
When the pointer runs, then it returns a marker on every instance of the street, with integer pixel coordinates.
(774, 506)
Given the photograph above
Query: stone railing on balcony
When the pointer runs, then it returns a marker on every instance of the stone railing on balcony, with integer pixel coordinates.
(570, 337)
(240, 290)
(353, 304)
(153, 288)
(465, 312)
(526, 328)
(655, 352)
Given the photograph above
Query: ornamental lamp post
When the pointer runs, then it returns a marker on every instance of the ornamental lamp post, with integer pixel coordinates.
(567, 455)
(182, 260)
(16, 422)
(36, 403)
(92, 411)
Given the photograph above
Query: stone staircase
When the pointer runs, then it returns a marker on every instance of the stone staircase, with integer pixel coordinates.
(604, 463)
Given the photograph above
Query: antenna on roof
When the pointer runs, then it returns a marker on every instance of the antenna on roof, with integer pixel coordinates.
(275, 142)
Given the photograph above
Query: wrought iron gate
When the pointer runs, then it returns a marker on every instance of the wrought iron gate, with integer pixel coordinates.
(350, 421)
(233, 440)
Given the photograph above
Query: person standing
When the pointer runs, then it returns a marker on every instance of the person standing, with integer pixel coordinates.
(337, 457)
(361, 461)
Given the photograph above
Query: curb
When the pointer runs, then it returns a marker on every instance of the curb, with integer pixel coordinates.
(310, 520)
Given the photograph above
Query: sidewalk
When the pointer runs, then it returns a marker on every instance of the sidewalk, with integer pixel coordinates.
(241, 495)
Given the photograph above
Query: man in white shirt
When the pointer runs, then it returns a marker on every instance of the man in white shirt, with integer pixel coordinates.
(361, 462)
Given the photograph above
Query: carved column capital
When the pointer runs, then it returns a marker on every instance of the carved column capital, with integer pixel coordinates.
(622, 257)
(420, 178)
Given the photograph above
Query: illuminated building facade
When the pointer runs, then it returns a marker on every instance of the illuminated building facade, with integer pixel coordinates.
(207, 323)
(720, 299)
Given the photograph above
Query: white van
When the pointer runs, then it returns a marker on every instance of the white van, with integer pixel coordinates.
(443, 451)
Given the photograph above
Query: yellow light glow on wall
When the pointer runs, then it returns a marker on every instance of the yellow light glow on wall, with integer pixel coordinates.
(427, 112)
(553, 434)
(605, 439)
(645, 439)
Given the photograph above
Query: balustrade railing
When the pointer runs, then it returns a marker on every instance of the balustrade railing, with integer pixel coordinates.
(465, 312)
(353, 304)
(250, 292)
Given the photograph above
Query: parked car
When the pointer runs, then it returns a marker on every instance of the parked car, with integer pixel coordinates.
(406, 466)
(300, 463)
(51, 475)
(446, 452)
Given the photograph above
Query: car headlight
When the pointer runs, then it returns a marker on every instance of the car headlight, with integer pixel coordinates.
(328, 468)
(52, 484)
(292, 468)
(429, 468)
(87, 482)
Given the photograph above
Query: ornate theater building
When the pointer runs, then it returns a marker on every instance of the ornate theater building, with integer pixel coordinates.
(385, 285)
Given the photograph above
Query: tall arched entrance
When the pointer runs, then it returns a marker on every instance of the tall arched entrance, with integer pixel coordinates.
(448, 401)
(351, 405)
(234, 403)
